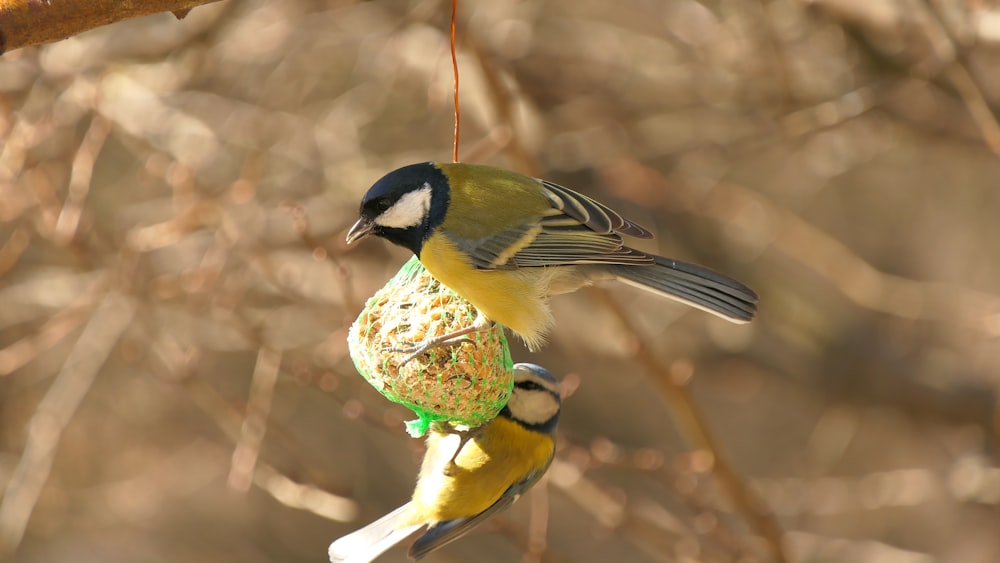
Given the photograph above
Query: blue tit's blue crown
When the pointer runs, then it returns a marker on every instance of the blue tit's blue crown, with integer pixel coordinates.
(388, 190)
(539, 372)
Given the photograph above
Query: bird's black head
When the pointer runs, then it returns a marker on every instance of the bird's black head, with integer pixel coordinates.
(404, 206)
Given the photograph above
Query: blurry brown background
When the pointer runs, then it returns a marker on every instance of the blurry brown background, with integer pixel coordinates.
(175, 291)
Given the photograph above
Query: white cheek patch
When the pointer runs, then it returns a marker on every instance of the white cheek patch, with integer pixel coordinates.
(409, 211)
(533, 407)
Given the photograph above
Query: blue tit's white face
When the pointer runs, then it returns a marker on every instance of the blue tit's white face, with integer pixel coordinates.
(535, 401)
(410, 210)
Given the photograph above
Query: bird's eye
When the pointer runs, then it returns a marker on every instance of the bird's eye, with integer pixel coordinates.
(528, 385)
(382, 205)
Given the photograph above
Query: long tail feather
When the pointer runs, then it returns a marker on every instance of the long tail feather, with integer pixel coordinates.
(694, 285)
(366, 544)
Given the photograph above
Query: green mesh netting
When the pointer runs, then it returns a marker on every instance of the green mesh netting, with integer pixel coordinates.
(463, 384)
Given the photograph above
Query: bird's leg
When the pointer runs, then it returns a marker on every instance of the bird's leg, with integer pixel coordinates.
(481, 324)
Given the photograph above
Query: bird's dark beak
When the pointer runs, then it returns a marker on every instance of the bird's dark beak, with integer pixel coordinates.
(359, 230)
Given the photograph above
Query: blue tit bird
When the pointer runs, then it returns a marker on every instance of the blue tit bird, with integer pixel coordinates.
(464, 482)
(507, 242)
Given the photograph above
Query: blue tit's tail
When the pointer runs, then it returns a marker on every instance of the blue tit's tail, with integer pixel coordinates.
(366, 544)
(694, 285)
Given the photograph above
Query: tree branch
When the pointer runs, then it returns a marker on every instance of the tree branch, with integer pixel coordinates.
(35, 22)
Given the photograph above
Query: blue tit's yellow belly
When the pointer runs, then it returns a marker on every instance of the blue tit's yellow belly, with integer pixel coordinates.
(513, 298)
(504, 454)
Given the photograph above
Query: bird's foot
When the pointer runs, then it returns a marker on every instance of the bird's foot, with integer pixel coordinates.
(450, 339)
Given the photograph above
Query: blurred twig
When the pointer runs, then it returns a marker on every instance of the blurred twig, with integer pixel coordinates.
(300, 222)
(979, 109)
(284, 489)
(502, 100)
(54, 412)
(503, 525)
(959, 72)
(682, 478)
(691, 424)
(950, 54)
(13, 248)
(265, 375)
(304, 497)
(849, 273)
(538, 524)
(642, 519)
(55, 328)
(79, 182)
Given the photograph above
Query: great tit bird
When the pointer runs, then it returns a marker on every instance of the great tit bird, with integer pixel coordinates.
(506, 242)
(456, 491)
